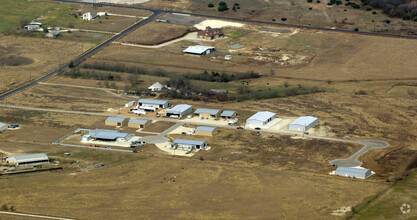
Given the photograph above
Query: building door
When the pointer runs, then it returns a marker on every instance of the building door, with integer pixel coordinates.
(119, 124)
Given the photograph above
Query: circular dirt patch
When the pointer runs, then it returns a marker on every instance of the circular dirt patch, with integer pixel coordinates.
(12, 60)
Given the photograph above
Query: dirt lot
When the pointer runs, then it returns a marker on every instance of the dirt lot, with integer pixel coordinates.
(155, 33)
(159, 126)
(38, 52)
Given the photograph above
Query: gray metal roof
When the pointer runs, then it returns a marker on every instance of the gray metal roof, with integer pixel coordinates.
(205, 128)
(108, 134)
(31, 156)
(305, 120)
(138, 121)
(2, 125)
(153, 101)
(227, 113)
(189, 142)
(197, 49)
(179, 109)
(262, 116)
(115, 119)
(207, 110)
(352, 170)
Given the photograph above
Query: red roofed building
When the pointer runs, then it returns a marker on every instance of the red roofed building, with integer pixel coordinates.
(210, 33)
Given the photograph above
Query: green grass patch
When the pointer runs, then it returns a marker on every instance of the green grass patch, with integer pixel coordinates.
(62, 16)
(15, 12)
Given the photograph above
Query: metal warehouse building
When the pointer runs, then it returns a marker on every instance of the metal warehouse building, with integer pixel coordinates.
(115, 121)
(29, 159)
(303, 123)
(3, 127)
(152, 104)
(199, 50)
(353, 172)
(260, 119)
(228, 114)
(110, 135)
(189, 145)
(206, 131)
(179, 111)
(139, 123)
(208, 113)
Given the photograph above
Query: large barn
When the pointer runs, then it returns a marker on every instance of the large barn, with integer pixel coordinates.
(199, 50)
(303, 123)
(152, 104)
(208, 112)
(260, 119)
(189, 145)
(110, 135)
(353, 172)
(179, 111)
(29, 159)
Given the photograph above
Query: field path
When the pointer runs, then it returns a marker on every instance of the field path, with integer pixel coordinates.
(30, 216)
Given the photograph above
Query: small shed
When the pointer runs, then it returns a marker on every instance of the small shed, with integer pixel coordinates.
(303, 123)
(29, 159)
(139, 123)
(199, 50)
(206, 131)
(86, 138)
(208, 112)
(228, 114)
(130, 104)
(3, 127)
(179, 111)
(353, 172)
(189, 145)
(116, 121)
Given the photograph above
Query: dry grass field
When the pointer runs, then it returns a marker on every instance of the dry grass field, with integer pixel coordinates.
(44, 55)
(155, 33)
(337, 57)
(159, 126)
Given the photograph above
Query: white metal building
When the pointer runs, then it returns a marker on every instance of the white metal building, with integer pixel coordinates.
(156, 87)
(110, 135)
(152, 104)
(303, 123)
(29, 159)
(189, 145)
(353, 172)
(3, 127)
(90, 16)
(129, 104)
(260, 119)
(208, 112)
(179, 111)
(199, 50)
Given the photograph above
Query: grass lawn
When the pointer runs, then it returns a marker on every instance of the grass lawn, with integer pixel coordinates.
(14, 11)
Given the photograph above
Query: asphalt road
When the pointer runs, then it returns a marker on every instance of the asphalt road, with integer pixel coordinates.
(84, 56)
(160, 138)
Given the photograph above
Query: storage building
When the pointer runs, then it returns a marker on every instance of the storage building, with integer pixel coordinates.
(179, 111)
(152, 104)
(189, 145)
(139, 123)
(115, 121)
(90, 16)
(29, 159)
(303, 123)
(156, 87)
(3, 127)
(129, 104)
(199, 50)
(353, 172)
(110, 135)
(206, 131)
(228, 114)
(260, 119)
(208, 112)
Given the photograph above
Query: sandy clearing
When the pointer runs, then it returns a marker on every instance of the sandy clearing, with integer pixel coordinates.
(217, 24)
(162, 147)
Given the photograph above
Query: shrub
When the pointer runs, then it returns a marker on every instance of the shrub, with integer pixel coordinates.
(369, 9)
(71, 65)
(356, 29)
(253, 11)
(318, 1)
(387, 21)
(407, 17)
(310, 8)
(415, 19)
(309, 1)
(283, 19)
(361, 92)
(236, 4)
(273, 19)
(374, 12)
(210, 5)
(222, 7)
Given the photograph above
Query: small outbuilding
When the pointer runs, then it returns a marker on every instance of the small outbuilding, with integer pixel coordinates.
(208, 112)
(29, 159)
(228, 114)
(116, 121)
(110, 135)
(179, 111)
(353, 172)
(156, 87)
(3, 127)
(139, 123)
(153, 104)
(303, 123)
(130, 104)
(260, 119)
(206, 131)
(189, 145)
(199, 50)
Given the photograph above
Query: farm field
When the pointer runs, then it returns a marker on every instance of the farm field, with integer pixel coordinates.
(25, 58)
